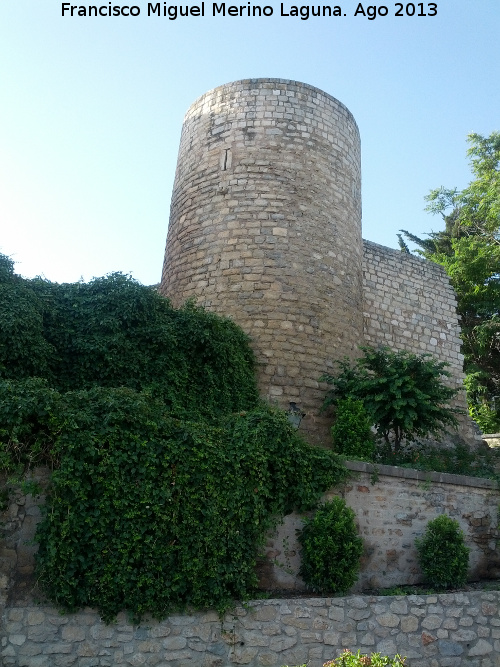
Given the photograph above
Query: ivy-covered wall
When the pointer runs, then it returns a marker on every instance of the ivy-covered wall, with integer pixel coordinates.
(167, 469)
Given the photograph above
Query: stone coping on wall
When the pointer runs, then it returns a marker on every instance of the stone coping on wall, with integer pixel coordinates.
(422, 475)
(442, 630)
(491, 439)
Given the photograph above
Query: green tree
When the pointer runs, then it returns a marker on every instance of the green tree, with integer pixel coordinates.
(403, 393)
(469, 249)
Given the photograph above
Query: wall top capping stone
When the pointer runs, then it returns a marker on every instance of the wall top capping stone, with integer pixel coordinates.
(422, 475)
(421, 262)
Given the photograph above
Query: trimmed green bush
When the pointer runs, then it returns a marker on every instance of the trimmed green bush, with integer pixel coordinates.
(442, 553)
(330, 549)
(351, 432)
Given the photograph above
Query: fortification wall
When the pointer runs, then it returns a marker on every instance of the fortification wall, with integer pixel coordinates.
(409, 304)
(265, 228)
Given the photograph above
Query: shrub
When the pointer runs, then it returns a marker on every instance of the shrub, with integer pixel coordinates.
(349, 659)
(330, 548)
(442, 554)
(351, 432)
(403, 393)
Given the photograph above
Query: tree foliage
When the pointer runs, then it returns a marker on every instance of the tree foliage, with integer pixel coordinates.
(469, 249)
(403, 393)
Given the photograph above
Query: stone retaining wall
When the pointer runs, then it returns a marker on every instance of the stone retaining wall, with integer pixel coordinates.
(393, 506)
(448, 630)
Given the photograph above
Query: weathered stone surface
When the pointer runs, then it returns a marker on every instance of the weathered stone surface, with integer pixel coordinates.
(388, 620)
(84, 640)
(257, 235)
(432, 622)
(481, 648)
(449, 648)
(409, 624)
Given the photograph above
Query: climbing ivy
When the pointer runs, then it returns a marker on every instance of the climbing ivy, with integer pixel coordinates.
(167, 471)
(150, 513)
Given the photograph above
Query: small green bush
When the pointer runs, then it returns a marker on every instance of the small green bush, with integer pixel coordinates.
(442, 554)
(351, 432)
(348, 659)
(331, 549)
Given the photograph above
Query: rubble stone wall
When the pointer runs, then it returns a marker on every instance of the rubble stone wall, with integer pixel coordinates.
(448, 630)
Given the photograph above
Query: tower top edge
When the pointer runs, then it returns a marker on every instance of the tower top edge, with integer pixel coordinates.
(261, 83)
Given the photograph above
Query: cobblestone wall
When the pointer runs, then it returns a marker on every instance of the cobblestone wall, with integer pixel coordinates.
(448, 630)
(265, 227)
(391, 511)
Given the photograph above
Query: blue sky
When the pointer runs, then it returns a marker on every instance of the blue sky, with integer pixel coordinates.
(91, 112)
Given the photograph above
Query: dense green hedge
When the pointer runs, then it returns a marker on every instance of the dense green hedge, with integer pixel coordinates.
(167, 471)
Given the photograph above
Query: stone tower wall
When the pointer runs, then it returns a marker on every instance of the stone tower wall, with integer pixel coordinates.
(409, 304)
(265, 228)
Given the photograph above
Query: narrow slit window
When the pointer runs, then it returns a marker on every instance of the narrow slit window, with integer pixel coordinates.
(226, 159)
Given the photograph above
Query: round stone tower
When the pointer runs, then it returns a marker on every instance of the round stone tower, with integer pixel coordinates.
(265, 228)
